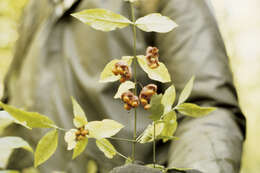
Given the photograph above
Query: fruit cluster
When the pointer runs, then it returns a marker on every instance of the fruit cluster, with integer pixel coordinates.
(81, 133)
(146, 94)
(121, 68)
(130, 100)
(152, 57)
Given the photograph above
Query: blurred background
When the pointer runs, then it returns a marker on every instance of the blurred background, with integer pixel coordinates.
(239, 22)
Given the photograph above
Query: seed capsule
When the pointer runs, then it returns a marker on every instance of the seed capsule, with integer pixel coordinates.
(127, 107)
(84, 132)
(152, 57)
(145, 95)
(80, 137)
(148, 106)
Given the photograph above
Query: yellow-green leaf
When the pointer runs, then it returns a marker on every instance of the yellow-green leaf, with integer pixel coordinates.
(5, 120)
(148, 134)
(103, 129)
(168, 98)
(186, 91)
(124, 87)
(11, 142)
(79, 116)
(161, 167)
(107, 75)
(92, 167)
(102, 19)
(30, 119)
(46, 147)
(170, 125)
(80, 147)
(155, 22)
(9, 171)
(160, 73)
(194, 110)
(106, 147)
(157, 107)
(7, 145)
(179, 169)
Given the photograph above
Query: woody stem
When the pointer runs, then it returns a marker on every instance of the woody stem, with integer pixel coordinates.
(135, 80)
(154, 145)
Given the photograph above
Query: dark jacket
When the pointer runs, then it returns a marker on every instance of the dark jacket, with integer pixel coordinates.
(57, 57)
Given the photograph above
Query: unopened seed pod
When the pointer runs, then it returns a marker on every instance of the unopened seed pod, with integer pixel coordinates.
(148, 106)
(127, 107)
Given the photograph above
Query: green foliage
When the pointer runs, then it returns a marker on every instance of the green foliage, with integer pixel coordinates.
(79, 115)
(106, 147)
(103, 129)
(194, 110)
(107, 75)
(161, 167)
(92, 167)
(102, 19)
(46, 147)
(124, 87)
(160, 73)
(157, 107)
(9, 171)
(148, 134)
(5, 120)
(155, 22)
(186, 91)
(168, 98)
(170, 125)
(28, 119)
(80, 147)
(8, 144)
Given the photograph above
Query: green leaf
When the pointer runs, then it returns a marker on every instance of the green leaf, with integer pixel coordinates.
(155, 22)
(161, 167)
(92, 167)
(80, 147)
(9, 171)
(160, 73)
(79, 116)
(107, 75)
(102, 19)
(7, 145)
(148, 134)
(5, 120)
(46, 147)
(124, 87)
(103, 129)
(11, 142)
(194, 110)
(106, 147)
(179, 169)
(168, 98)
(170, 125)
(157, 107)
(29, 119)
(186, 91)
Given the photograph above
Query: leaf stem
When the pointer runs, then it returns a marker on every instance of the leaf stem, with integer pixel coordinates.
(154, 145)
(135, 79)
(120, 154)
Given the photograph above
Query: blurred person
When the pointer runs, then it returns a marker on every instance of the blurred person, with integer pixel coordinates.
(57, 57)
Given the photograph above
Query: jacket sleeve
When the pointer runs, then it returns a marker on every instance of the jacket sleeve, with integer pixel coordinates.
(211, 144)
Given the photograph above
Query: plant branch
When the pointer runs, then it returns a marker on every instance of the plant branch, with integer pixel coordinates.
(154, 145)
(135, 79)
